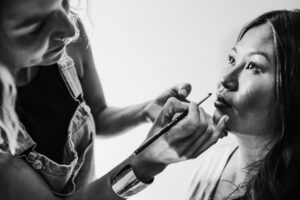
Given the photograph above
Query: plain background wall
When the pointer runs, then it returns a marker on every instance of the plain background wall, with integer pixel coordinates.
(143, 47)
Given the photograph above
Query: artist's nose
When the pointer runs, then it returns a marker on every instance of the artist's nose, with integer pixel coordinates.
(64, 27)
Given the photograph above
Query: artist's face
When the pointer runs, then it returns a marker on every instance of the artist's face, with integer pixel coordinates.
(32, 32)
(246, 91)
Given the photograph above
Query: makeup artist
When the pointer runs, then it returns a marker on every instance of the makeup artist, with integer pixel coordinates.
(61, 106)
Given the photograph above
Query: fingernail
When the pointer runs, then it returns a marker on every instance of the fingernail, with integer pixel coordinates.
(226, 118)
(225, 133)
(183, 92)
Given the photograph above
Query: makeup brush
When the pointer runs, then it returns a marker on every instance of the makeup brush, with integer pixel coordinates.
(166, 128)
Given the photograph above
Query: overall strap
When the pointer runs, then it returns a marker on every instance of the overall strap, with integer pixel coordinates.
(70, 77)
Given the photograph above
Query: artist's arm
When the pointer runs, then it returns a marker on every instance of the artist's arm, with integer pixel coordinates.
(111, 120)
(187, 139)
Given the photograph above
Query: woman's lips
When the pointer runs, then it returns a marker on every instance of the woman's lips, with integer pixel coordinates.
(221, 102)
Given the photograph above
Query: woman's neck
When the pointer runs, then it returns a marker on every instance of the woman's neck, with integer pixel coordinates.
(252, 148)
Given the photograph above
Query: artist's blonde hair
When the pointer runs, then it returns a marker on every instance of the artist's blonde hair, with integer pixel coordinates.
(9, 125)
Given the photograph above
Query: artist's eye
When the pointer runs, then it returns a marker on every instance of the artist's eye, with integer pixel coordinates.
(231, 60)
(253, 67)
(32, 28)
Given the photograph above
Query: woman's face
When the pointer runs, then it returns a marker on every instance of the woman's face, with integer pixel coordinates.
(32, 32)
(246, 91)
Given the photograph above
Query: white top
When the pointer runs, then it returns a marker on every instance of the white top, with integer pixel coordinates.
(211, 165)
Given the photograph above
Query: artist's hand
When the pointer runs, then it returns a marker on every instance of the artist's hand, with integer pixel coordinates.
(180, 92)
(186, 140)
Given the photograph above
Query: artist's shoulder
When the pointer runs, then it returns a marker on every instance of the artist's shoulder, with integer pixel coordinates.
(80, 49)
(6, 163)
(13, 168)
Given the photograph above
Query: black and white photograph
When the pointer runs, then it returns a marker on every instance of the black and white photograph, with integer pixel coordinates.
(149, 100)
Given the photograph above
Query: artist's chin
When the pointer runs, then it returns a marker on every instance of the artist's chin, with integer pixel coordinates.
(52, 57)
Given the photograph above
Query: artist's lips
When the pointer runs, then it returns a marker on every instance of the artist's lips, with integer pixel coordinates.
(221, 102)
(56, 49)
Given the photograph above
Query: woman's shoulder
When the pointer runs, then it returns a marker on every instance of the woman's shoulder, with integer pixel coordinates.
(212, 161)
(210, 166)
(223, 147)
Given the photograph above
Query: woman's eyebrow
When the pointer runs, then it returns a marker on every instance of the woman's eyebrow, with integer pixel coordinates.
(261, 53)
(233, 49)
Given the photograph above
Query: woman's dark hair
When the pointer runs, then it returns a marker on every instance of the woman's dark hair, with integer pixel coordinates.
(277, 176)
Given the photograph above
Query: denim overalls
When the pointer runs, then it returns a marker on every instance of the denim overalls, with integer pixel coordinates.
(78, 159)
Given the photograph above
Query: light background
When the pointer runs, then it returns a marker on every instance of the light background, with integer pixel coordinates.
(142, 47)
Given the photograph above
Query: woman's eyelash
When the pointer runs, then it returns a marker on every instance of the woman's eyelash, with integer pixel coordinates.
(231, 60)
(252, 66)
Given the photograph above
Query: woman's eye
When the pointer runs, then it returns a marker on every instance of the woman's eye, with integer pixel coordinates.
(231, 60)
(252, 66)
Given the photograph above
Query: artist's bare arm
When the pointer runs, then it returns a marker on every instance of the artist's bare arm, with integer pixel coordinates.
(187, 139)
(111, 120)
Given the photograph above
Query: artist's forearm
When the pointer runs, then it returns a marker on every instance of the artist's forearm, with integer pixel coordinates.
(112, 121)
(101, 189)
(98, 190)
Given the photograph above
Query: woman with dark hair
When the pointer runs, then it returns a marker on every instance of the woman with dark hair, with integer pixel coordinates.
(260, 92)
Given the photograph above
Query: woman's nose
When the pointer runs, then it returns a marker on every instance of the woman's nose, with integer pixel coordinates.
(230, 80)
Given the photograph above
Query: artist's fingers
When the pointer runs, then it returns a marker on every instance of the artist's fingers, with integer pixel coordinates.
(191, 123)
(217, 132)
(200, 137)
(172, 107)
(192, 133)
(180, 135)
(184, 89)
(199, 119)
(219, 129)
